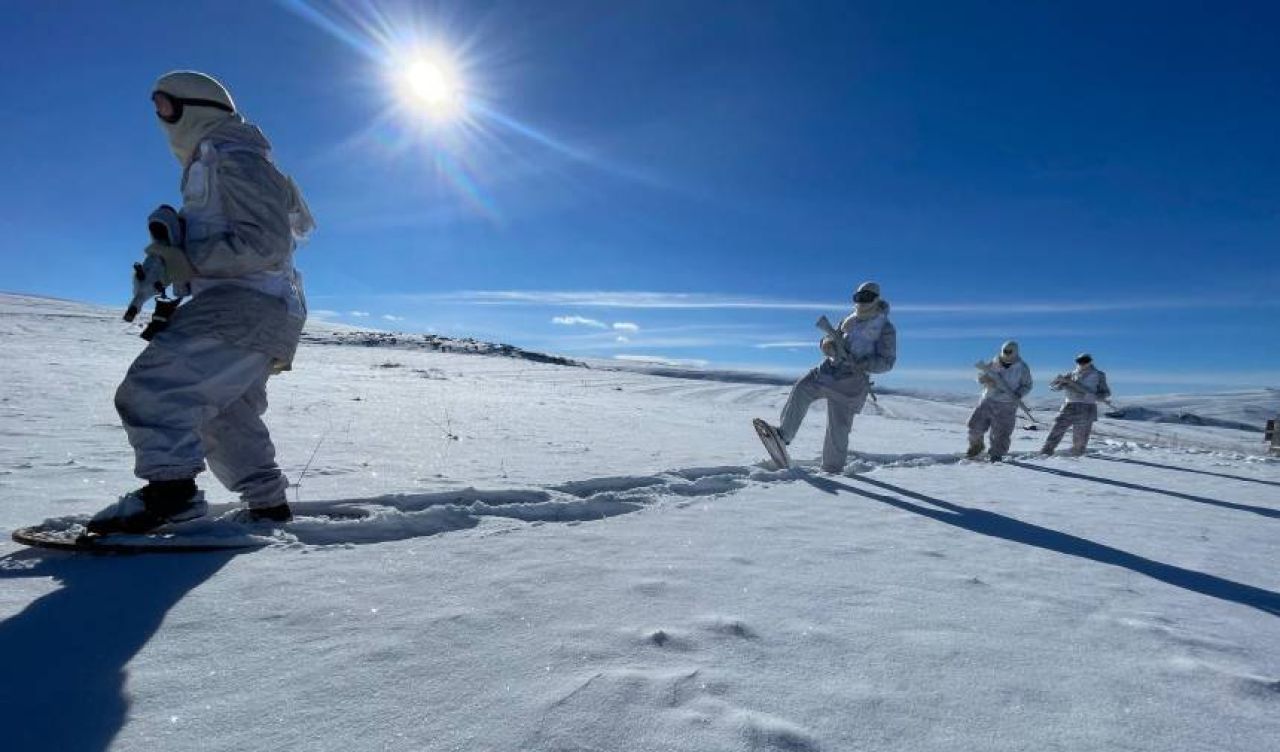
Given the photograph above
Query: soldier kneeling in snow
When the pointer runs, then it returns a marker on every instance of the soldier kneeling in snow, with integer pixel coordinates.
(1083, 387)
(198, 391)
(1005, 380)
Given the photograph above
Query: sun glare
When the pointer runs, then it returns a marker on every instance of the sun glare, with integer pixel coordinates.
(431, 87)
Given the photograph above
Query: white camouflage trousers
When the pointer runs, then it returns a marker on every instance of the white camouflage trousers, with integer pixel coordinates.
(845, 394)
(998, 417)
(188, 400)
(1079, 417)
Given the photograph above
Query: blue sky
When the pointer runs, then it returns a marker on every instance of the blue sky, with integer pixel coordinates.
(697, 181)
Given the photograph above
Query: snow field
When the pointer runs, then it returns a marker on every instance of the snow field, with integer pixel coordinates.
(552, 558)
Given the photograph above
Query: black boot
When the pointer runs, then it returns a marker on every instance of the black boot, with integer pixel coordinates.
(278, 513)
(166, 498)
(156, 504)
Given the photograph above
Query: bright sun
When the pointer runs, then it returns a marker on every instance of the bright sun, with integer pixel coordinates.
(431, 87)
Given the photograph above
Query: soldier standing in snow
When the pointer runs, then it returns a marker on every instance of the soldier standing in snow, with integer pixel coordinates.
(872, 346)
(1083, 387)
(198, 391)
(1005, 380)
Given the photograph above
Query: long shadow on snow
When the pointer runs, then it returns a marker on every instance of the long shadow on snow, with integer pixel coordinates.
(1264, 511)
(66, 653)
(1185, 469)
(1007, 528)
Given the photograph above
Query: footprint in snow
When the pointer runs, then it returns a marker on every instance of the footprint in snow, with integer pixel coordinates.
(729, 628)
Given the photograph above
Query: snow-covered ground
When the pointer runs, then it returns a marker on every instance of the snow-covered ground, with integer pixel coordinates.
(564, 558)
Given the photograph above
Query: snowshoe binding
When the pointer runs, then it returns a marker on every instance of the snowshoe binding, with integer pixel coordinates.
(157, 504)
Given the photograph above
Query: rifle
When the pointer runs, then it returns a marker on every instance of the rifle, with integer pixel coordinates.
(842, 350)
(985, 367)
(1063, 380)
(165, 226)
(147, 276)
(837, 338)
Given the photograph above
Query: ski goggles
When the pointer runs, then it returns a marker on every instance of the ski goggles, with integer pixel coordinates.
(1084, 359)
(1009, 351)
(865, 296)
(169, 108)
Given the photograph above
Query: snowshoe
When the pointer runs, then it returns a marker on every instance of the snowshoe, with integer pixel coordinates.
(773, 443)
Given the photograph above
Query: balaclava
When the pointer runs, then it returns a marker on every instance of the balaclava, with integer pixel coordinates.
(866, 301)
(1009, 353)
(202, 104)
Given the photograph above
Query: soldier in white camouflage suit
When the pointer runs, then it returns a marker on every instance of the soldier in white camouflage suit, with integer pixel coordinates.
(844, 382)
(1083, 387)
(1006, 379)
(198, 391)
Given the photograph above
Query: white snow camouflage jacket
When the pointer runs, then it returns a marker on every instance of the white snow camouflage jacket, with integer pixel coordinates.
(873, 342)
(1016, 376)
(243, 218)
(1092, 385)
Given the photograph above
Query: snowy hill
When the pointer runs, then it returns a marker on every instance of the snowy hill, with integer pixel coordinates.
(429, 343)
(1245, 410)
(552, 557)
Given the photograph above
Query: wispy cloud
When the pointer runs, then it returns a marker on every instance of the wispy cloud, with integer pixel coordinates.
(1217, 379)
(360, 314)
(1118, 378)
(695, 300)
(1011, 331)
(662, 360)
(934, 374)
(626, 326)
(324, 313)
(579, 321)
(602, 299)
(389, 317)
(997, 334)
(1050, 306)
(605, 341)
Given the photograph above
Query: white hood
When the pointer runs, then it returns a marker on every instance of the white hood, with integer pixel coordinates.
(196, 121)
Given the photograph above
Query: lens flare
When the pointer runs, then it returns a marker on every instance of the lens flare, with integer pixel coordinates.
(438, 84)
